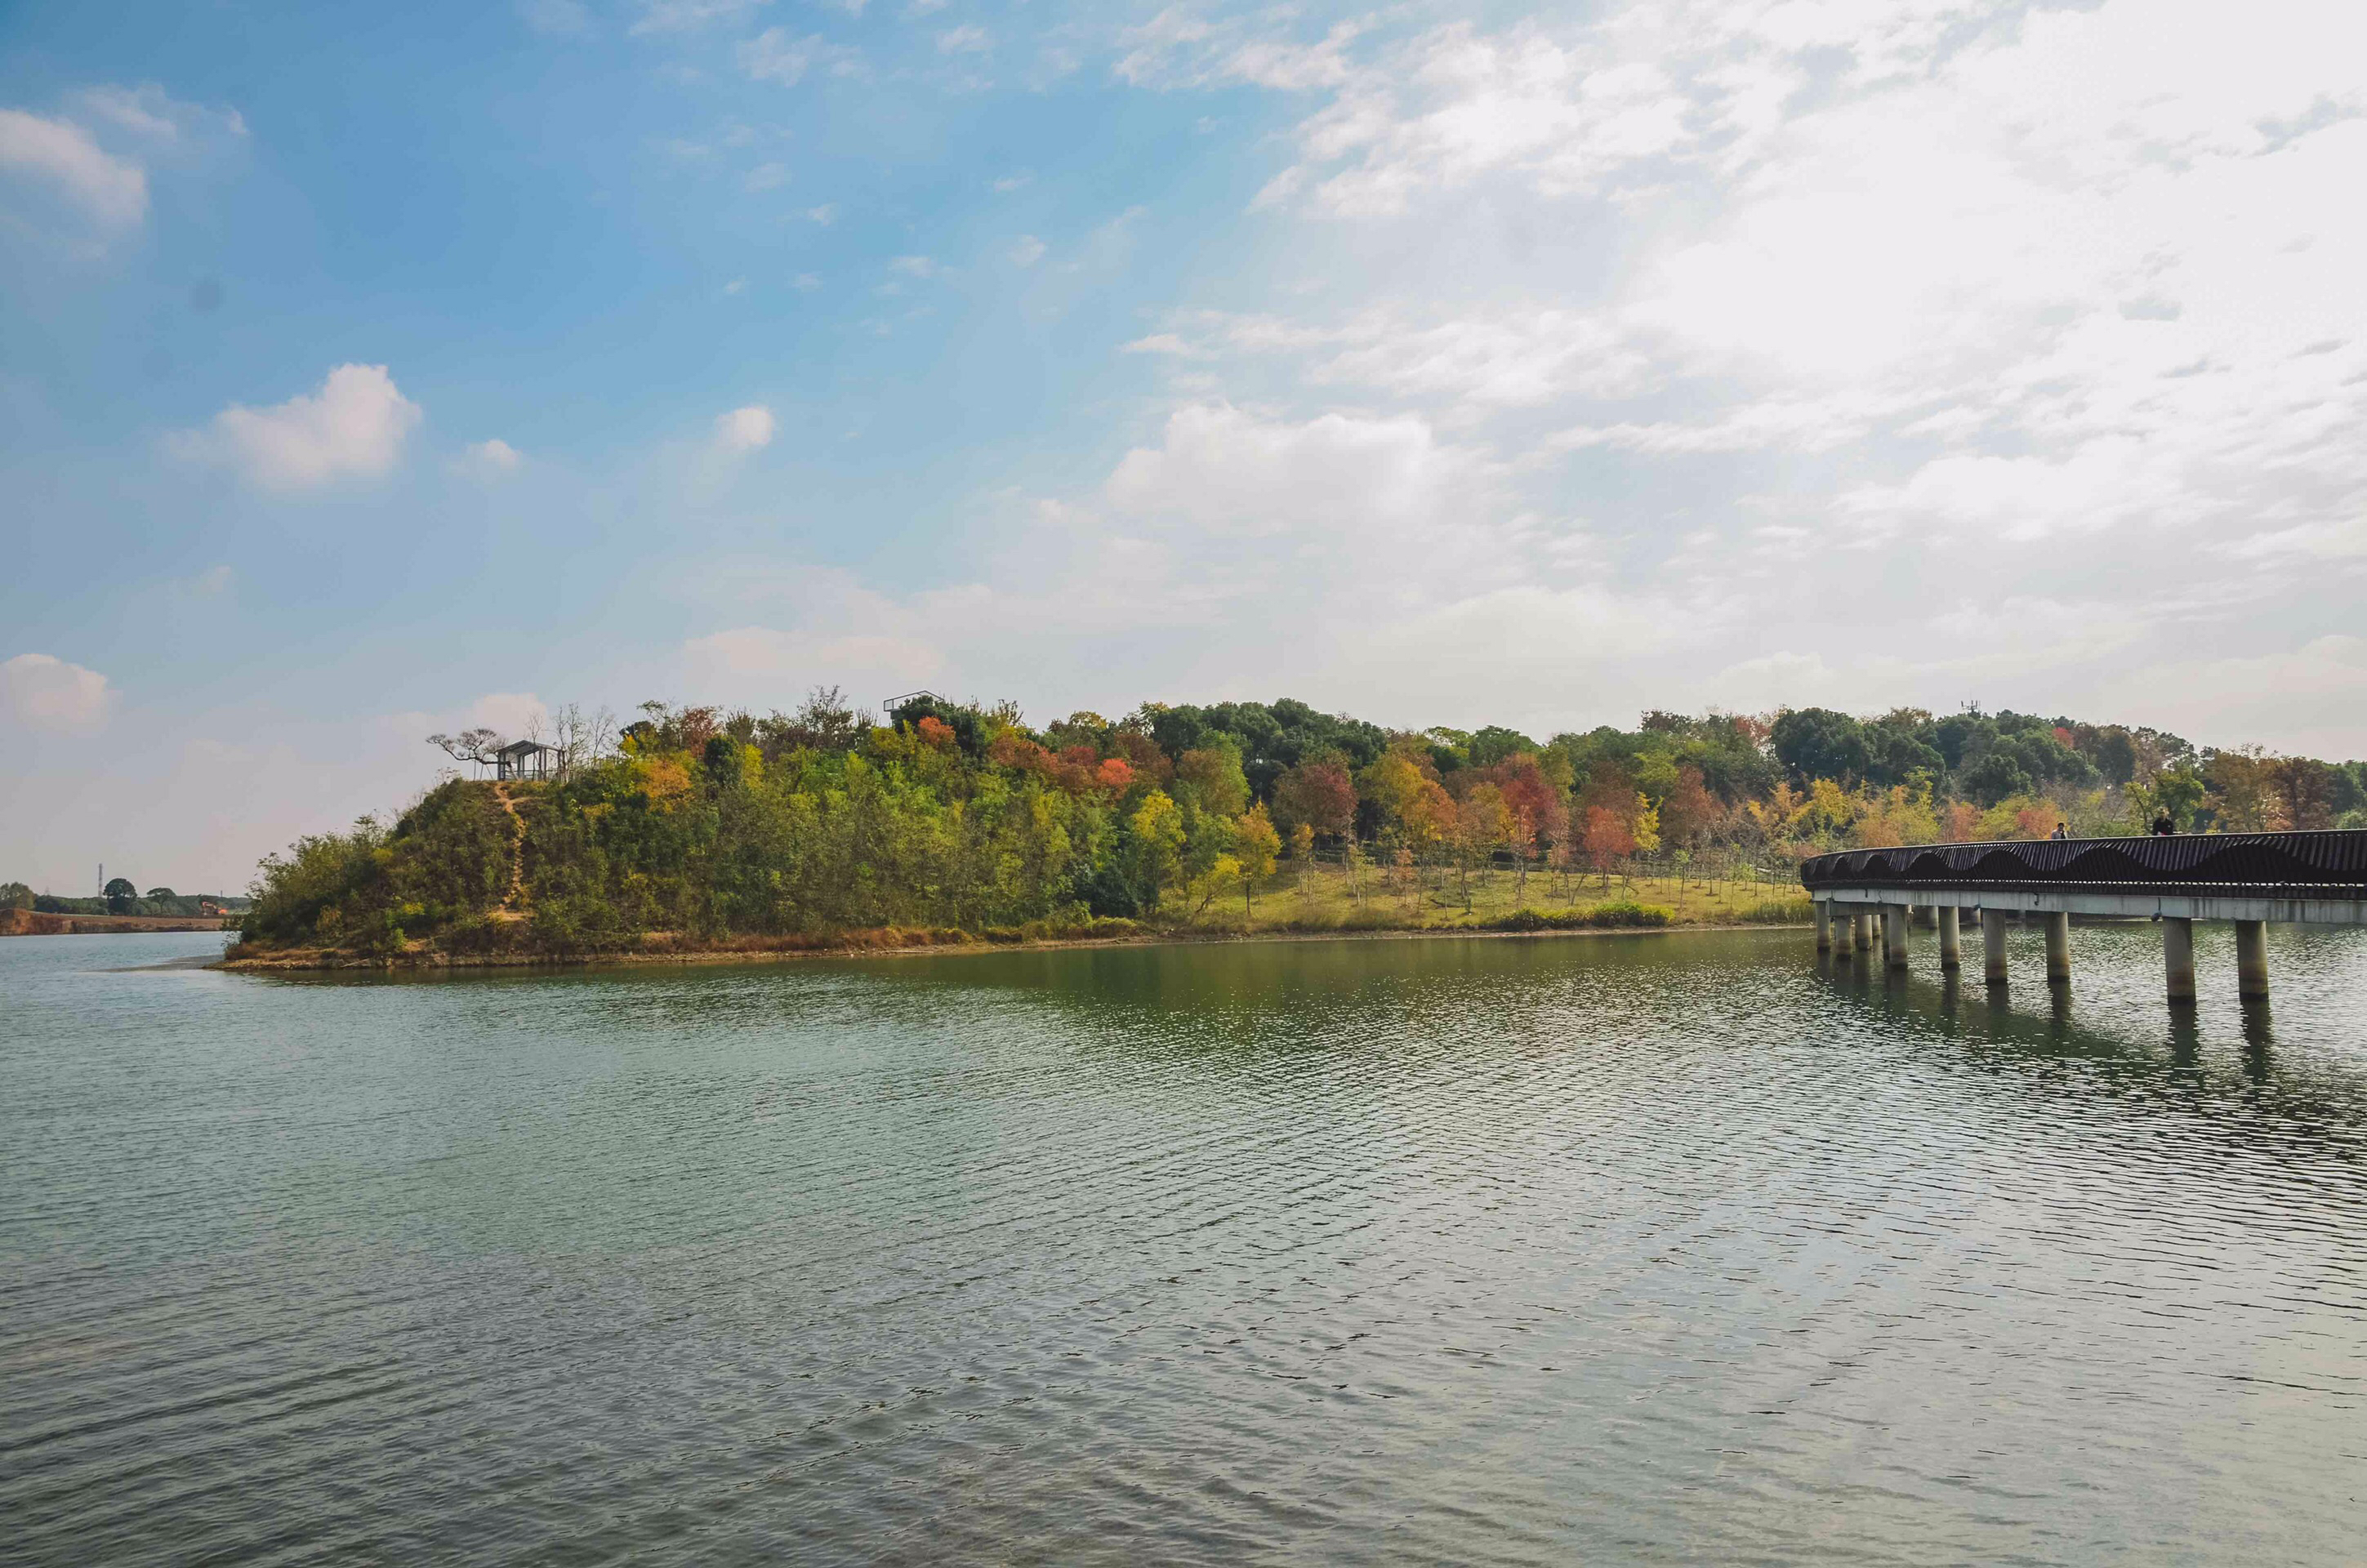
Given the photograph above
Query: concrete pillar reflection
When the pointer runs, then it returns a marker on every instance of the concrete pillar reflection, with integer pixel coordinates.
(1824, 925)
(2178, 956)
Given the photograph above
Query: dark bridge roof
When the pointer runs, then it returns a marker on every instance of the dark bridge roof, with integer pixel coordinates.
(2324, 864)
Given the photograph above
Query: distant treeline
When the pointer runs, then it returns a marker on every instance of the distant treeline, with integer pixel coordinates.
(121, 898)
(699, 822)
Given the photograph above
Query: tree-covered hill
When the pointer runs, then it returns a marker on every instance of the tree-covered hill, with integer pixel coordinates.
(693, 825)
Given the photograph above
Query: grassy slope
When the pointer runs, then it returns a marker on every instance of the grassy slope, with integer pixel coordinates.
(1323, 901)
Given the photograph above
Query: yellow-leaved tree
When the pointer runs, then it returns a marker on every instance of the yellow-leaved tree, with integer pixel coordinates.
(1158, 824)
(1255, 847)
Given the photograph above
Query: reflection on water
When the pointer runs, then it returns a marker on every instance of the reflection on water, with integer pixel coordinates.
(1634, 1248)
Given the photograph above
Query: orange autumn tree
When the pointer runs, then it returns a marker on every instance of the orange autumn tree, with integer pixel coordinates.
(1538, 813)
(1617, 819)
(1482, 823)
(1608, 839)
(1689, 813)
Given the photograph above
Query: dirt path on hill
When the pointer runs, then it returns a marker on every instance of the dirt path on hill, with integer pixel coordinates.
(516, 896)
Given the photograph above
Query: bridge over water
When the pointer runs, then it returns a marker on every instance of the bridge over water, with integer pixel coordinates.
(1864, 898)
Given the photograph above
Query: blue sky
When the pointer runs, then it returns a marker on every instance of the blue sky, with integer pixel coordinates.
(365, 374)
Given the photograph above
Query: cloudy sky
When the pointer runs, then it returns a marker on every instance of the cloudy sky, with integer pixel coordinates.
(371, 371)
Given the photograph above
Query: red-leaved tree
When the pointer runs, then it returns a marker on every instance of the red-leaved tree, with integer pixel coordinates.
(1319, 795)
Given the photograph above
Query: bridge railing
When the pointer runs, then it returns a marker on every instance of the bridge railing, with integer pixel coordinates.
(2323, 860)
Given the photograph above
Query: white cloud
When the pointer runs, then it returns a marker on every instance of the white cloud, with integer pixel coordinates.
(2027, 633)
(112, 190)
(1360, 560)
(806, 282)
(913, 267)
(352, 427)
(46, 692)
(156, 120)
(1165, 342)
(1026, 251)
(212, 582)
(98, 152)
(1511, 357)
(766, 176)
(1772, 680)
(493, 459)
(777, 56)
(1348, 480)
(557, 18)
(1828, 306)
(514, 715)
(2291, 695)
(146, 113)
(748, 429)
(968, 39)
(833, 654)
(687, 16)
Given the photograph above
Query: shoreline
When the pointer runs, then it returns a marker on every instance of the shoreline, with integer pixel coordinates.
(312, 961)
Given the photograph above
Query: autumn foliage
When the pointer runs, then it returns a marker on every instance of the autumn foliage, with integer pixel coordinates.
(707, 824)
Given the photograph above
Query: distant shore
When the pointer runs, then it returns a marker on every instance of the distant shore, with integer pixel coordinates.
(33, 922)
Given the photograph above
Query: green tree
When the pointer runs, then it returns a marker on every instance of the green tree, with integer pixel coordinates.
(1995, 777)
(1817, 743)
(2177, 791)
(1210, 777)
(2116, 755)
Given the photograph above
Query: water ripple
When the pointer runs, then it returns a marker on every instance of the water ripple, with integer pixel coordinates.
(1648, 1249)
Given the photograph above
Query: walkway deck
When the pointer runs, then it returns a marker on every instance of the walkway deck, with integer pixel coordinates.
(2248, 878)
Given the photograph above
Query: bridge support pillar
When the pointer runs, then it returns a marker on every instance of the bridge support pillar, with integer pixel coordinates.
(2058, 949)
(1824, 925)
(2178, 956)
(1993, 947)
(1952, 941)
(1927, 916)
(2251, 958)
(1893, 934)
(1861, 929)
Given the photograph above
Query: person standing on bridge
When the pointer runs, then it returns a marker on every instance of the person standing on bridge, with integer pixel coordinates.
(2062, 830)
(2163, 828)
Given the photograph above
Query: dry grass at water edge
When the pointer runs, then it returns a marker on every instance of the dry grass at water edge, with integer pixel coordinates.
(1324, 900)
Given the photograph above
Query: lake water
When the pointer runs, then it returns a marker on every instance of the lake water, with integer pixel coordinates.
(1631, 1249)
